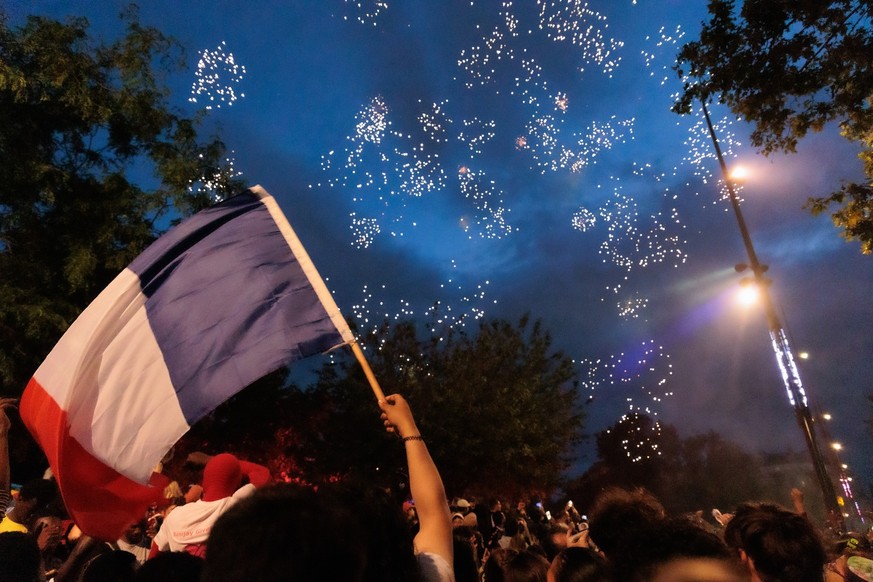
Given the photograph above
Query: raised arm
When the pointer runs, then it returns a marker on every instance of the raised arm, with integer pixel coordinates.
(258, 475)
(426, 485)
(5, 477)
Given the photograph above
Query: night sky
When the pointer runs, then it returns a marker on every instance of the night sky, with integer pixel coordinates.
(503, 159)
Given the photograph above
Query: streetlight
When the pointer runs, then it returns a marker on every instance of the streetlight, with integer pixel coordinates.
(748, 295)
(779, 340)
(846, 497)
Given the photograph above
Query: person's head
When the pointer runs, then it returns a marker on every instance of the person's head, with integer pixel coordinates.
(114, 566)
(35, 496)
(617, 515)
(222, 476)
(460, 505)
(171, 567)
(555, 539)
(19, 557)
(775, 543)
(527, 566)
(697, 570)
(466, 563)
(457, 519)
(679, 549)
(135, 532)
(497, 564)
(289, 532)
(576, 564)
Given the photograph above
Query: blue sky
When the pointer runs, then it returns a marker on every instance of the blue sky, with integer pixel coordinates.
(467, 154)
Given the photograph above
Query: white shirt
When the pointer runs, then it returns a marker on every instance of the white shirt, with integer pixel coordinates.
(192, 522)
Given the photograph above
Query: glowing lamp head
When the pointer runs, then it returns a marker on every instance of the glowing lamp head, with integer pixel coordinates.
(748, 295)
(739, 173)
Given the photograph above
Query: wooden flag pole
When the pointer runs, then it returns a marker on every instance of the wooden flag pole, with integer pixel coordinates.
(374, 384)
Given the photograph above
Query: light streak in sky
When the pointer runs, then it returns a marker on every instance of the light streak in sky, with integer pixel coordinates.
(364, 231)
(647, 372)
(398, 159)
(574, 22)
(698, 145)
(584, 219)
(631, 306)
(487, 200)
(211, 184)
(630, 244)
(434, 123)
(216, 78)
(600, 137)
(454, 307)
(387, 169)
(476, 134)
(665, 49)
(366, 11)
(643, 444)
(494, 58)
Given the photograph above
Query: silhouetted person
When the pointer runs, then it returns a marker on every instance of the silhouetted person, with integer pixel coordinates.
(775, 545)
(576, 564)
(19, 558)
(620, 521)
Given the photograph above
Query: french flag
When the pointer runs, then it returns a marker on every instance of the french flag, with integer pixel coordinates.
(217, 302)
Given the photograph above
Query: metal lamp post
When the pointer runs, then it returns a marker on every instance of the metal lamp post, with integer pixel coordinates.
(781, 347)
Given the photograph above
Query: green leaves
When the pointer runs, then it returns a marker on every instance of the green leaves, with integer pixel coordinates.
(92, 159)
(790, 68)
(498, 409)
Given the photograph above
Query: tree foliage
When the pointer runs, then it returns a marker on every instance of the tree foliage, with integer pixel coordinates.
(790, 68)
(94, 164)
(497, 409)
(696, 473)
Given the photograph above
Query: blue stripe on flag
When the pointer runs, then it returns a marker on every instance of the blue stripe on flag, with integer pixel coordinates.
(228, 303)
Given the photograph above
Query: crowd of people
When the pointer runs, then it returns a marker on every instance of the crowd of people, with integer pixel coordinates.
(229, 522)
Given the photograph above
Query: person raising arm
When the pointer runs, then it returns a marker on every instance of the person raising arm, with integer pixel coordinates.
(434, 537)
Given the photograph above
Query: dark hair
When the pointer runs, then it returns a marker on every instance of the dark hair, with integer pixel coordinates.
(782, 544)
(497, 564)
(576, 564)
(41, 491)
(295, 533)
(465, 566)
(674, 539)
(113, 566)
(617, 516)
(527, 567)
(19, 557)
(171, 567)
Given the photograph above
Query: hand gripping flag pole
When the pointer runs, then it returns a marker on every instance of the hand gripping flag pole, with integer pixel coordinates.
(217, 302)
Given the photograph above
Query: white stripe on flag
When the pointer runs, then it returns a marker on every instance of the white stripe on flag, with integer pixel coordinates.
(121, 381)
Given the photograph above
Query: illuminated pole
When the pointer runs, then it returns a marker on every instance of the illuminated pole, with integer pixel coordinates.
(844, 480)
(779, 340)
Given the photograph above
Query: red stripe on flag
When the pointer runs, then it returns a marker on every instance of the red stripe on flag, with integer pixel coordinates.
(101, 501)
